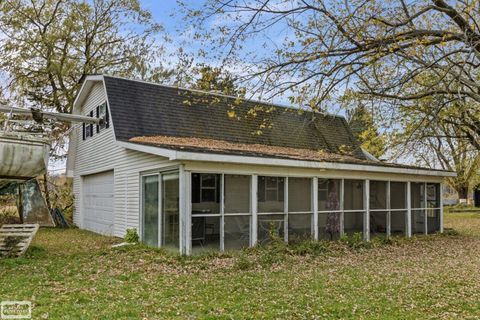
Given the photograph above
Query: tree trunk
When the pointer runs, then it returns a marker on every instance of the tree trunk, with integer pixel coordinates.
(45, 191)
(462, 193)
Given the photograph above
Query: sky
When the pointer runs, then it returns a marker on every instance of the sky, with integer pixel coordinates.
(166, 12)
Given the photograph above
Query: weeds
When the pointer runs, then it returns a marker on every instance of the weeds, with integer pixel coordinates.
(132, 236)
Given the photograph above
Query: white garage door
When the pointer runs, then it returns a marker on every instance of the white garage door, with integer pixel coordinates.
(98, 212)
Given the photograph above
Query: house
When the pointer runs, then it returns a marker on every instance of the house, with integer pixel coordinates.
(192, 170)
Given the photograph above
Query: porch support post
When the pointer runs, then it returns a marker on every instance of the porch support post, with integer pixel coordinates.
(441, 207)
(285, 210)
(408, 219)
(425, 218)
(389, 212)
(222, 212)
(253, 208)
(366, 216)
(185, 207)
(315, 207)
(342, 207)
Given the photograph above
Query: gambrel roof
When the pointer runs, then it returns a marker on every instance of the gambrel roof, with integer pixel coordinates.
(142, 109)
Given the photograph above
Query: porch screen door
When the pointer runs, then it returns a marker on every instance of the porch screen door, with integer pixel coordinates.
(150, 205)
(170, 210)
(160, 205)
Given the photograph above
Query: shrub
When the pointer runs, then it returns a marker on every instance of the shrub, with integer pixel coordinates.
(309, 247)
(382, 240)
(355, 241)
(132, 236)
(450, 232)
(244, 263)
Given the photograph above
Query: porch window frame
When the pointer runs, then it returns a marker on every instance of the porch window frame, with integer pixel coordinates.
(284, 212)
(222, 214)
(253, 213)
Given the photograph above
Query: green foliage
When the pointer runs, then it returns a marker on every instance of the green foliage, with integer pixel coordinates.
(363, 126)
(132, 236)
(434, 139)
(215, 79)
(60, 195)
(50, 45)
(310, 248)
(355, 241)
(315, 51)
(244, 262)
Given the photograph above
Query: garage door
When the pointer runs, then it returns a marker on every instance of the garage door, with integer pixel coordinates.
(98, 213)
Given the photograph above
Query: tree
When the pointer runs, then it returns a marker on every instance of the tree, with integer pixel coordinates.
(364, 129)
(215, 79)
(49, 46)
(387, 51)
(437, 145)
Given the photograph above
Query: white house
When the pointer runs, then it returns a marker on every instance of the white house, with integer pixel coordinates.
(193, 170)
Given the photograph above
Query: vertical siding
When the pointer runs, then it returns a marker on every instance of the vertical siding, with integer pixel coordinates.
(101, 153)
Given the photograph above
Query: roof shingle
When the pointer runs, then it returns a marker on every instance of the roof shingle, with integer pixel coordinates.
(141, 109)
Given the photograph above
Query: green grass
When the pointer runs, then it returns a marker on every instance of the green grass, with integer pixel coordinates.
(74, 274)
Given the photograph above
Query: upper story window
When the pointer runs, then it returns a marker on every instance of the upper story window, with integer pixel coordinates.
(88, 128)
(100, 112)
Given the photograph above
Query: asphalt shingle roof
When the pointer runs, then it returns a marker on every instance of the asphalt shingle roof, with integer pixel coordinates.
(141, 109)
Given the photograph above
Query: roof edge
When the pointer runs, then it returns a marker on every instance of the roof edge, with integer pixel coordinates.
(284, 106)
(216, 157)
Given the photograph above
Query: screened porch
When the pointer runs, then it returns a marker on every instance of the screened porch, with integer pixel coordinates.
(233, 211)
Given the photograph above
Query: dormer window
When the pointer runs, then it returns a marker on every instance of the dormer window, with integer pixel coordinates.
(101, 112)
(88, 128)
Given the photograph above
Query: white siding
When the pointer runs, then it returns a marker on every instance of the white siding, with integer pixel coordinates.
(101, 153)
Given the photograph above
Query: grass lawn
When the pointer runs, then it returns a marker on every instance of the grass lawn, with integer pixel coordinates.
(74, 274)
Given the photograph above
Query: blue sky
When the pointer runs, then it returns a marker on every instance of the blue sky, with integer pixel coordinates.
(162, 11)
(167, 13)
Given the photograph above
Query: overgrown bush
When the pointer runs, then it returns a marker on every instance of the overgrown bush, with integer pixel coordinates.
(355, 241)
(60, 195)
(244, 262)
(309, 247)
(132, 236)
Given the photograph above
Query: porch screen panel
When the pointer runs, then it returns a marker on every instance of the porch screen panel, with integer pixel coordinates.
(205, 233)
(398, 219)
(378, 195)
(271, 194)
(378, 206)
(271, 208)
(205, 193)
(237, 194)
(353, 222)
(354, 206)
(206, 222)
(270, 226)
(353, 194)
(329, 197)
(398, 195)
(237, 232)
(398, 204)
(170, 204)
(433, 205)
(299, 208)
(237, 218)
(418, 205)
